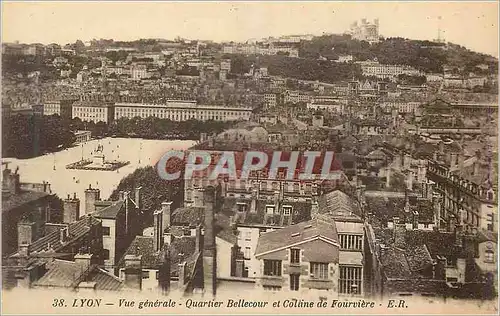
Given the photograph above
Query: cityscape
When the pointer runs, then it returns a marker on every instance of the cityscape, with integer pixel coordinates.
(413, 125)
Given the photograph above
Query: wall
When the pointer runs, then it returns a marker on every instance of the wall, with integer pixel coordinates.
(109, 242)
(223, 258)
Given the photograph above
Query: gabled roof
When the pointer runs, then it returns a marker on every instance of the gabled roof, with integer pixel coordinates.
(52, 241)
(111, 211)
(188, 215)
(338, 204)
(297, 234)
(61, 273)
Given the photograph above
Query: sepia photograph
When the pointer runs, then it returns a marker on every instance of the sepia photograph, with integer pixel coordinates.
(249, 157)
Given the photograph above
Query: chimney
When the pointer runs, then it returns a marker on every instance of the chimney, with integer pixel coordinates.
(137, 198)
(24, 250)
(64, 234)
(436, 201)
(400, 235)
(84, 260)
(253, 205)
(12, 181)
(91, 196)
(461, 159)
(415, 219)
(453, 160)
(25, 232)
(435, 156)
(199, 240)
(475, 171)
(208, 200)
(182, 273)
(198, 198)
(407, 161)
(388, 178)
(158, 230)
(71, 209)
(166, 208)
(133, 272)
(409, 180)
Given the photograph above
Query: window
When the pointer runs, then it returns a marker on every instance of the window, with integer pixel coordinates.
(451, 279)
(272, 267)
(294, 256)
(242, 207)
(287, 210)
(489, 256)
(248, 236)
(270, 210)
(350, 280)
(157, 275)
(187, 232)
(319, 270)
(105, 254)
(145, 274)
(294, 282)
(247, 253)
(351, 242)
(451, 262)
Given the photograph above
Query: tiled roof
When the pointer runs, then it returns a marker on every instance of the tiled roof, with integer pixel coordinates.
(418, 258)
(188, 216)
(394, 263)
(110, 211)
(296, 233)
(52, 241)
(18, 200)
(61, 273)
(105, 281)
(151, 259)
(338, 204)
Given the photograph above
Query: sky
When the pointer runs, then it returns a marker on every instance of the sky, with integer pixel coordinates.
(470, 24)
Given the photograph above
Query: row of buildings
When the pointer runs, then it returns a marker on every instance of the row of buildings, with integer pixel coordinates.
(175, 110)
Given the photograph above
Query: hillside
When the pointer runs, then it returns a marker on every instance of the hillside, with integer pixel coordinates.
(317, 56)
(423, 55)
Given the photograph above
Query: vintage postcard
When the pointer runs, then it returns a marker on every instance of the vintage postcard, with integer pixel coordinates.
(223, 157)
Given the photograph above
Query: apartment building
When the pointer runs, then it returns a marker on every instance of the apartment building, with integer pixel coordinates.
(323, 254)
(382, 71)
(89, 111)
(63, 108)
(179, 110)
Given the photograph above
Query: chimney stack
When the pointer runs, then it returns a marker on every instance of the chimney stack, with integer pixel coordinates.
(388, 178)
(166, 208)
(209, 200)
(26, 233)
(133, 271)
(71, 209)
(91, 196)
(158, 230)
(409, 180)
(182, 273)
(84, 260)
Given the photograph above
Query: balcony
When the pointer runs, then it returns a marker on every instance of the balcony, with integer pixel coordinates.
(268, 280)
(319, 284)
